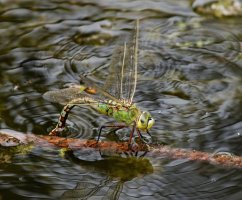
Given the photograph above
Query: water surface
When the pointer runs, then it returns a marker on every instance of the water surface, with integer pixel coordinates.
(190, 75)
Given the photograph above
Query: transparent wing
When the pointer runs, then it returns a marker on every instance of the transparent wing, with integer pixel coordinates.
(77, 95)
(101, 92)
(123, 69)
(73, 93)
(121, 83)
(64, 96)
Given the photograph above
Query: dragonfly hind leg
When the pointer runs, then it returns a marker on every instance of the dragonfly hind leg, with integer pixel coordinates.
(109, 126)
(62, 120)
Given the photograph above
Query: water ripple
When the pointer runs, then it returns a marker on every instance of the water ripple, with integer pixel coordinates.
(189, 79)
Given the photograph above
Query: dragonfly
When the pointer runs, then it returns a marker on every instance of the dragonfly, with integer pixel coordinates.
(114, 99)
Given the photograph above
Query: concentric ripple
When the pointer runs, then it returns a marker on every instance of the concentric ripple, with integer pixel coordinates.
(189, 79)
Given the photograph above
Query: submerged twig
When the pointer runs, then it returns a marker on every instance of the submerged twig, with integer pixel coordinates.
(223, 159)
(164, 150)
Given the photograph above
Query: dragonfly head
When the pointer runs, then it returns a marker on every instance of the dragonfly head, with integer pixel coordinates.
(145, 121)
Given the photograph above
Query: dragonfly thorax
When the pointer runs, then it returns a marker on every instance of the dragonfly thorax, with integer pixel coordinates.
(127, 114)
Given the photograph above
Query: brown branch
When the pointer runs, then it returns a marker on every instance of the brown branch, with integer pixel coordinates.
(224, 159)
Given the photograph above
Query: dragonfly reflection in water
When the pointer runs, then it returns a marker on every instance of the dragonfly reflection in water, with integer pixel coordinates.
(116, 99)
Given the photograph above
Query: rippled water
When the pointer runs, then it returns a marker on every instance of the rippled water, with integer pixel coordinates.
(190, 75)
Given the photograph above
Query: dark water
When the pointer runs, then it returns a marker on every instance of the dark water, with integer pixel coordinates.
(190, 77)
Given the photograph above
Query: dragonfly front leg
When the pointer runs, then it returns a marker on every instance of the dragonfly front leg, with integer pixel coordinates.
(62, 120)
(139, 133)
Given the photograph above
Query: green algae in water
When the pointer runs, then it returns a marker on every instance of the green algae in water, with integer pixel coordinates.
(8, 153)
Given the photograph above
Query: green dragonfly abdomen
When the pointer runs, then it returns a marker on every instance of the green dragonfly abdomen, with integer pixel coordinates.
(119, 112)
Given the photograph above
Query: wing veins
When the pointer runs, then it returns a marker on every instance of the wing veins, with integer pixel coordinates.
(99, 89)
(135, 59)
(122, 72)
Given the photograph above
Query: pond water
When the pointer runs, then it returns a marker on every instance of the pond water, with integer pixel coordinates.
(190, 77)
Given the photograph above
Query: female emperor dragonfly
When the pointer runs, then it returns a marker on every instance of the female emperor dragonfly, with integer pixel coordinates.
(118, 92)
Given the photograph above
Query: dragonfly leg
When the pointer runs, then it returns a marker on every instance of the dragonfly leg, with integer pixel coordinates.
(139, 133)
(148, 133)
(109, 126)
(132, 133)
(62, 120)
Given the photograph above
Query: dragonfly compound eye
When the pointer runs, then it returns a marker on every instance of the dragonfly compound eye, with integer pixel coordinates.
(151, 122)
(143, 121)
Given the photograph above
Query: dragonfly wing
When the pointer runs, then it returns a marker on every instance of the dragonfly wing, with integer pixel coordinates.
(100, 91)
(123, 69)
(73, 93)
(76, 95)
(120, 85)
(63, 96)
